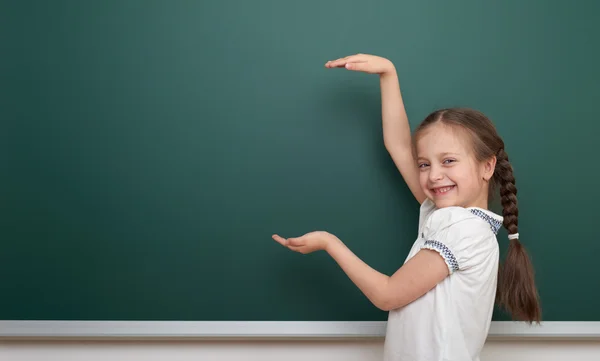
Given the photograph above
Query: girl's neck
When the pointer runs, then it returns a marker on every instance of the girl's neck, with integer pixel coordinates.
(481, 201)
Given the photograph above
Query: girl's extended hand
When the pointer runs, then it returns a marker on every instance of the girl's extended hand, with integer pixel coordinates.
(310, 242)
(363, 62)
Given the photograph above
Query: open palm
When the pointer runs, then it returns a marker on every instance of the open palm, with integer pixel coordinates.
(362, 62)
(310, 242)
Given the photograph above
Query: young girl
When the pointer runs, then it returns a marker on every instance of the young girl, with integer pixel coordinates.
(441, 300)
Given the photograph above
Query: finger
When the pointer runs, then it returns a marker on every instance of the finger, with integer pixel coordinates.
(297, 249)
(296, 242)
(357, 66)
(350, 64)
(280, 240)
(342, 61)
(338, 63)
(335, 63)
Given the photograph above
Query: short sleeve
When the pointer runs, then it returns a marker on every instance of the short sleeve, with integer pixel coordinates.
(458, 236)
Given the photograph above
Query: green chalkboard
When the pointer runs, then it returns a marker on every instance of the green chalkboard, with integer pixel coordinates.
(150, 148)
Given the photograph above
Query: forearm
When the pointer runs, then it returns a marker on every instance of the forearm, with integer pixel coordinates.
(373, 284)
(396, 130)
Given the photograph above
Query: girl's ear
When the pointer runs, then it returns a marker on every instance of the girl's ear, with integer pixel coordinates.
(488, 168)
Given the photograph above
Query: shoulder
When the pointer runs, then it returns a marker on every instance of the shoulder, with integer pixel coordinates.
(452, 216)
(471, 220)
(459, 222)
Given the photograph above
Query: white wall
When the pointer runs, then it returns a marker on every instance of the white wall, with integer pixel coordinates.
(347, 350)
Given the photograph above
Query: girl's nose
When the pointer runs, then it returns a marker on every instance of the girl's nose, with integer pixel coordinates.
(436, 174)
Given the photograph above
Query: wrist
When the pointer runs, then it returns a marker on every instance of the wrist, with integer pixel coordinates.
(389, 70)
(330, 242)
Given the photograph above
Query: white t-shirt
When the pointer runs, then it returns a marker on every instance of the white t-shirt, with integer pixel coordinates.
(451, 321)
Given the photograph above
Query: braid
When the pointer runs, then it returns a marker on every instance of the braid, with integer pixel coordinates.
(516, 286)
(508, 192)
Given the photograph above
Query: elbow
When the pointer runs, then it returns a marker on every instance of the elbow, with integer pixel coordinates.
(387, 297)
(387, 303)
(385, 306)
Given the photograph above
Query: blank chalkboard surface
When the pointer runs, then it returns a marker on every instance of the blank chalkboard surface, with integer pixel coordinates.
(149, 149)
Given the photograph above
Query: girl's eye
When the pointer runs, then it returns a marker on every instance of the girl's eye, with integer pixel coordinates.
(423, 165)
(448, 161)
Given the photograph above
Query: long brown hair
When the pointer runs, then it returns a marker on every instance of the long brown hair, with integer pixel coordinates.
(517, 292)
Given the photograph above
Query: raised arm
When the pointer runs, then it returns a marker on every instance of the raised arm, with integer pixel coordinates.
(396, 130)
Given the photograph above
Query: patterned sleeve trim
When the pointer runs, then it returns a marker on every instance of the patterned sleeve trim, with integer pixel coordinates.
(445, 252)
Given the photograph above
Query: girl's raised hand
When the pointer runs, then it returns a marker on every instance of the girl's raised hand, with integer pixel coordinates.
(310, 242)
(363, 62)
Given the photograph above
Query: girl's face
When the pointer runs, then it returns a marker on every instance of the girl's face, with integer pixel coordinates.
(448, 171)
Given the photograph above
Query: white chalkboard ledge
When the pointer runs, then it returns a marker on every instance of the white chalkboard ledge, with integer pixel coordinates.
(265, 330)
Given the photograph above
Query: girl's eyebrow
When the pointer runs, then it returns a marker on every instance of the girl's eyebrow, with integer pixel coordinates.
(445, 154)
